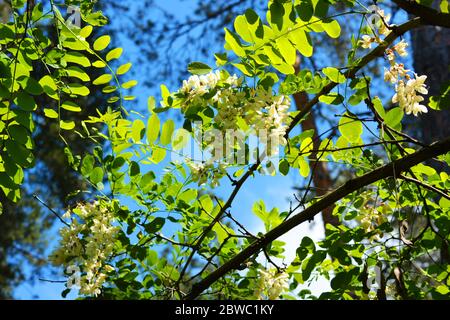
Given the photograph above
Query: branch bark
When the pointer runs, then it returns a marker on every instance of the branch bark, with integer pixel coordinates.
(429, 15)
(392, 169)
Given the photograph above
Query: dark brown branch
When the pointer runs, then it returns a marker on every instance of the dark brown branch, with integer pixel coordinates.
(426, 186)
(218, 217)
(429, 15)
(389, 170)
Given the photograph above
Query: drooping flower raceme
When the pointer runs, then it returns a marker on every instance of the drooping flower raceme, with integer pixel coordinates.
(88, 243)
(201, 172)
(258, 108)
(407, 91)
(230, 104)
(271, 284)
(407, 95)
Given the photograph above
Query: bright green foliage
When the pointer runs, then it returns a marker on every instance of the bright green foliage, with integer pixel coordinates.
(67, 63)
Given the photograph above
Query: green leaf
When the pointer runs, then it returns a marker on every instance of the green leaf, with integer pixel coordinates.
(102, 42)
(311, 263)
(276, 14)
(78, 58)
(151, 104)
(284, 68)
(123, 68)
(137, 130)
(443, 289)
(302, 41)
(103, 79)
(341, 280)
(351, 129)
(66, 125)
(334, 75)
(198, 68)
(180, 139)
(96, 175)
(158, 155)
(284, 167)
(155, 225)
(129, 84)
(379, 107)
(18, 133)
(50, 113)
(232, 40)
(49, 86)
(241, 27)
(87, 165)
(25, 101)
(305, 10)
(76, 72)
(134, 169)
(393, 117)
(331, 27)
(86, 31)
(286, 49)
(76, 89)
(165, 94)
(303, 167)
(221, 59)
(99, 64)
(21, 155)
(32, 86)
(332, 98)
(188, 195)
(109, 89)
(167, 131)
(71, 106)
(114, 54)
(95, 18)
(307, 246)
(153, 127)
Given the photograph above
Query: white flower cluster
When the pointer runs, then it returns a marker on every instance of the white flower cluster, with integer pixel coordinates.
(201, 172)
(407, 95)
(88, 243)
(407, 90)
(382, 29)
(370, 220)
(262, 113)
(271, 284)
(259, 108)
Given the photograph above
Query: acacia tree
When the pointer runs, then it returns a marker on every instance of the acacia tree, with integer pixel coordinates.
(158, 233)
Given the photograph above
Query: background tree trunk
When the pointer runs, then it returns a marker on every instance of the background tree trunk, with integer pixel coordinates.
(431, 54)
(319, 170)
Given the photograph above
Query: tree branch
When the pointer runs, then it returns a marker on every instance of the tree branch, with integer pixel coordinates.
(429, 15)
(388, 170)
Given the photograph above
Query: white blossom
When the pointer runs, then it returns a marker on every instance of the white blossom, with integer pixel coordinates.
(98, 232)
(271, 284)
(394, 72)
(384, 23)
(407, 95)
(400, 48)
(366, 42)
